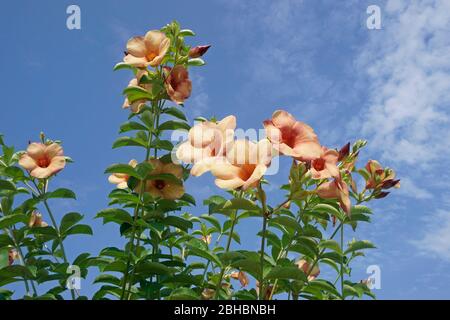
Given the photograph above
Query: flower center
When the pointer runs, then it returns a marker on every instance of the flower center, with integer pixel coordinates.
(150, 56)
(318, 164)
(43, 162)
(160, 184)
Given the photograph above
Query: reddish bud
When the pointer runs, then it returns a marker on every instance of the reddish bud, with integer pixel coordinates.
(381, 195)
(198, 51)
(344, 152)
(390, 183)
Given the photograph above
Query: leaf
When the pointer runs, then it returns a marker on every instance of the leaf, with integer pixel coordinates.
(123, 169)
(166, 177)
(16, 271)
(291, 272)
(286, 221)
(183, 294)
(240, 203)
(174, 125)
(178, 222)
(128, 142)
(69, 220)
(331, 244)
(212, 220)
(187, 33)
(80, 229)
(4, 258)
(61, 193)
(123, 65)
(162, 144)
(7, 185)
(195, 251)
(135, 93)
(132, 125)
(196, 62)
(323, 207)
(359, 245)
(115, 215)
(8, 221)
(188, 198)
(150, 268)
(175, 112)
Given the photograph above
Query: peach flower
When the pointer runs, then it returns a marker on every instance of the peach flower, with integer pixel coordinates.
(36, 220)
(206, 141)
(244, 165)
(42, 160)
(380, 178)
(305, 266)
(206, 239)
(208, 294)
(177, 83)
(165, 189)
(336, 189)
(325, 166)
(148, 50)
(12, 255)
(121, 179)
(137, 105)
(291, 137)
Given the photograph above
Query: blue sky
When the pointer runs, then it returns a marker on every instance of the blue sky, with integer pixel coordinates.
(316, 59)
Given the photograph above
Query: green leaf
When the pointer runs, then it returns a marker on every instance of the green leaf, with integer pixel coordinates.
(115, 215)
(195, 251)
(124, 169)
(331, 244)
(187, 33)
(135, 93)
(128, 142)
(166, 177)
(79, 229)
(175, 112)
(240, 203)
(132, 125)
(4, 258)
(123, 65)
(61, 193)
(280, 272)
(212, 220)
(323, 207)
(286, 221)
(196, 62)
(178, 222)
(8, 221)
(16, 271)
(162, 144)
(69, 220)
(7, 185)
(359, 245)
(150, 268)
(174, 125)
(183, 294)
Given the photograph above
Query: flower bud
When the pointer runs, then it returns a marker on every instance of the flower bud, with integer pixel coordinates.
(387, 184)
(344, 152)
(198, 51)
(381, 195)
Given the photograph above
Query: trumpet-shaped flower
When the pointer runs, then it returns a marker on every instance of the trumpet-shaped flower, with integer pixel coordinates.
(336, 189)
(121, 179)
(165, 188)
(305, 266)
(177, 83)
(42, 160)
(148, 50)
(242, 277)
(36, 220)
(206, 141)
(291, 137)
(380, 178)
(244, 165)
(325, 166)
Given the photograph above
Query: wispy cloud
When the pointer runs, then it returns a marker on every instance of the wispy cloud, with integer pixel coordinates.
(408, 64)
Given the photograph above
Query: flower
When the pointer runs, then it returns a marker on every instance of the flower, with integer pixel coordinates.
(42, 160)
(268, 291)
(241, 276)
(305, 266)
(325, 166)
(177, 83)
(380, 178)
(148, 50)
(206, 141)
(166, 189)
(36, 220)
(121, 179)
(198, 51)
(291, 137)
(336, 189)
(12, 255)
(137, 105)
(208, 294)
(244, 164)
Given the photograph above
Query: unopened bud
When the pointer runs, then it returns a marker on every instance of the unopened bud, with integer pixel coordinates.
(381, 195)
(198, 51)
(390, 183)
(344, 152)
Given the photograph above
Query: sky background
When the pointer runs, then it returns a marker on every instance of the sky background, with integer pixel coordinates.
(316, 59)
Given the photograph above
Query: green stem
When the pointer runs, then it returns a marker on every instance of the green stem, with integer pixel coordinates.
(262, 198)
(342, 263)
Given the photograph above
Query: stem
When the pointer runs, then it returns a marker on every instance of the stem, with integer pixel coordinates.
(342, 263)
(262, 198)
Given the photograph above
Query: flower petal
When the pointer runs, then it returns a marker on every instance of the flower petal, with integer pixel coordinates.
(27, 162)
(136, 47)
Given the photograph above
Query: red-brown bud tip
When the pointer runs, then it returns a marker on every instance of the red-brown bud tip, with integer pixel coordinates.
(198, 51)
(390, 183)
(381, 195)
(344, 152)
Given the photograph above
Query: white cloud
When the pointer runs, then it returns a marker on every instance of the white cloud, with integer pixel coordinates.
(408, 64)
(436, 238)
(198, 103)
(410, 189)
